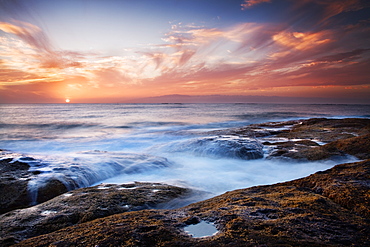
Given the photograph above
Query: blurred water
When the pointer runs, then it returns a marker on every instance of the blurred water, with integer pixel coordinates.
(61, 136)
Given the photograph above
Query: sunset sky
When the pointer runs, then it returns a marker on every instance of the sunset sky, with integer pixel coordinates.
(121, 50)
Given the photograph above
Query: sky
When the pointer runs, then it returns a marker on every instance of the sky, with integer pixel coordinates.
(109, 51)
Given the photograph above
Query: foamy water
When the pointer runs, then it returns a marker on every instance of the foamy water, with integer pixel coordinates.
(119, 143)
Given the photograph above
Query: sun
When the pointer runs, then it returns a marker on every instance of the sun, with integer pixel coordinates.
(67, 101)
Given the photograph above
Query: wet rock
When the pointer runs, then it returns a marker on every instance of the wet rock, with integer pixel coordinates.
(306, 139)
(328, 130)
(50, 189)
(340, 137)
(24, 181)
(8, 165)
(14, 176)
(87, 204)
(220, 147)
(16, 189)
(358, 146)
(285, 214)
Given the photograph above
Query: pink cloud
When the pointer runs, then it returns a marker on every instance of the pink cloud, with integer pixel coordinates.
(250, 3)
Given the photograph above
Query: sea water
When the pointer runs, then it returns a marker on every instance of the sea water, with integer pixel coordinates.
(120, 143)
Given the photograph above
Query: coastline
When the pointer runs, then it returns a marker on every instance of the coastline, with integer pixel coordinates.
(341, 137)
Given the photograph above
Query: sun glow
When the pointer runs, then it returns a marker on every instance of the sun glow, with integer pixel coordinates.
(68, 100)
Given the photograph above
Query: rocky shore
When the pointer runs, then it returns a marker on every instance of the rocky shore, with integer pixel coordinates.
(328, 208)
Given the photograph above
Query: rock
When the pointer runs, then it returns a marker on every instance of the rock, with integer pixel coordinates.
(50, 189)
(347, 185)
(220, 147)
(21, 186)
(14, 176)
(84, 205)
(15, 186)
(328, 130)
(300, 139)
(319, 210)
(342, 137)
(358, 146)
(8, 165)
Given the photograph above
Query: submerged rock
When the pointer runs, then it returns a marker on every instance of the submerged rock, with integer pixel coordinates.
(220, 147)
(295, 213)
(87, 204)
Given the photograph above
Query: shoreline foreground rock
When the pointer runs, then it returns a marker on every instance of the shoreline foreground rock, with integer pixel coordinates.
(329, 208)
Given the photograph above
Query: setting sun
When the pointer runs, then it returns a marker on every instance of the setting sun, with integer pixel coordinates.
(68, 100)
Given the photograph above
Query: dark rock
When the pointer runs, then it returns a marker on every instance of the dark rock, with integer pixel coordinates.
(50, 189)
(21, 187)
(14, 176)
(15, 189)
(285, 214)
(84, 205)
(8, 165)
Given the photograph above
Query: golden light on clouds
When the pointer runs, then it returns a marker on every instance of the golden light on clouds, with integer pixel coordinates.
(258, 52)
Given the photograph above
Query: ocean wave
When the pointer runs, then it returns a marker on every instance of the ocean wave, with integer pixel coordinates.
(217, 147)
(86, 168)
(66, 125)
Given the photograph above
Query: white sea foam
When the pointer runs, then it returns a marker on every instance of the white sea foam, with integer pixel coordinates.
(59, 136)
(220, 175)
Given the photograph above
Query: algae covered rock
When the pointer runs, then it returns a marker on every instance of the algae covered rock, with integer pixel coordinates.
(285, 214)
(337, 138)
(87, 204)
(347, 185)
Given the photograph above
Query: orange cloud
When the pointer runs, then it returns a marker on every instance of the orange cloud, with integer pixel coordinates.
(245, 58)
(302, 41)
(29, 33)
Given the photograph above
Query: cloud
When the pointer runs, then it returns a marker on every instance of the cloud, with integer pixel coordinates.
(305, 51)
(344, 56)
(29, 33)
(262, 56)
(35, 39)
(250, 3)
(302, 41)
(335, 7)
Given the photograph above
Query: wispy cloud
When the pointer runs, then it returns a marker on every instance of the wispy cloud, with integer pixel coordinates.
(250, 3)
(243, 58)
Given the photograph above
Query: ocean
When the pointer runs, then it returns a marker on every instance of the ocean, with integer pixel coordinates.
(121, 143)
